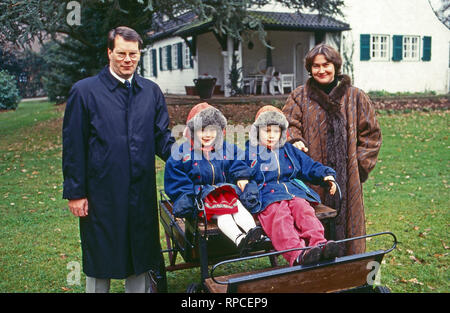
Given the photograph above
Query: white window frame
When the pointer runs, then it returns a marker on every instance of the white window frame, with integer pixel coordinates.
(380, 47)
(164, 58)
(411, 48)
(186, 56)
(174, 57)
(147, 63)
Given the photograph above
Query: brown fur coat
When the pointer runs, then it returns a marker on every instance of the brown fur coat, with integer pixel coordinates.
(311, 113)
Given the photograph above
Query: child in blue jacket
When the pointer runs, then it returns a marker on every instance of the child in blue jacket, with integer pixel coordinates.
(208, 169)
(279, 170)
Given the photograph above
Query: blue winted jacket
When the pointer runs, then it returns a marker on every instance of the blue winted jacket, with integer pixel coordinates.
(189, 175)
(280, 174)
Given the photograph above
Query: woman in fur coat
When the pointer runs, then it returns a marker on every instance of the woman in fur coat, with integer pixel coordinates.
(335, 123)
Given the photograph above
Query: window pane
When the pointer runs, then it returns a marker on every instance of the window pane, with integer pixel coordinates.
(380, 47)
(174, 56)
(411, 48)
(186, 56)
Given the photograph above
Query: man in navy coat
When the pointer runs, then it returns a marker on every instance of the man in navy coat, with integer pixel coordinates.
(114, 125)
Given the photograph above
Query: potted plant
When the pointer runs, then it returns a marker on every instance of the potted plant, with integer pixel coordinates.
(205, 85)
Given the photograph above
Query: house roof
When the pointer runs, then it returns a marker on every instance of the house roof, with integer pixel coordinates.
(299, 21)
(167, 28)
(188, 24)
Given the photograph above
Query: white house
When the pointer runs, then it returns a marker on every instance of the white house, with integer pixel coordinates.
(396, 45)
(386, 45)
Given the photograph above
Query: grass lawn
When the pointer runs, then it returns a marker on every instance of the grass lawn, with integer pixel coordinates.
(407, 194)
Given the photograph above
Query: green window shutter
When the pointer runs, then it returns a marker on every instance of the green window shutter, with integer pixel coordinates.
(426, 55)
(160, 59)
(397, 51)
(365, 47)
(180, 55)
(169, 57)
(155, 70)
(191, 59)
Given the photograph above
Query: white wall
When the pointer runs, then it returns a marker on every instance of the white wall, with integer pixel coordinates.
(208, 60)
(399, 17)
(172, 81)
(209, 56)
(283, 55)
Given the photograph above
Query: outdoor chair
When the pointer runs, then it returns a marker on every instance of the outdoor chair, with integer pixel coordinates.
(249, 85)
(287, 80)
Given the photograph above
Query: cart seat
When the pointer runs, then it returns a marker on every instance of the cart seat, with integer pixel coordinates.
(323, 212)
(185, 234)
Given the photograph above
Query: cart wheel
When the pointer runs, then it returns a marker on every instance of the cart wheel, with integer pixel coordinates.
(382, 289)
(193, 288)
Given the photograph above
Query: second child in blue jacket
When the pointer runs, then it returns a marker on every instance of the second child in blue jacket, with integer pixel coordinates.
(205, 168)
(279, 170)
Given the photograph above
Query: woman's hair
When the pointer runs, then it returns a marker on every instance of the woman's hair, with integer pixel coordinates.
(126, 33)
(330, 54)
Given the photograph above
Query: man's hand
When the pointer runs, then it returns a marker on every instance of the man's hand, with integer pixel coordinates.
(330, 180)
(301, 146)
(242, 183)
(79, 207)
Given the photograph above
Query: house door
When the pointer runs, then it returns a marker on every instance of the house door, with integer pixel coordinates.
(299, 64)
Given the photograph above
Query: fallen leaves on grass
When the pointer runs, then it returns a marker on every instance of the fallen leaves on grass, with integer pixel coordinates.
(440, 255)
(412, 280)
(412, 257)
(422, 235)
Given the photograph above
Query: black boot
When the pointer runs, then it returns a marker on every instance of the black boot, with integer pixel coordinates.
(253, 236)
(309, 256)
(330, 250)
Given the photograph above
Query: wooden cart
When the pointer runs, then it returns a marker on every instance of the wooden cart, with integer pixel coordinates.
(201, 244)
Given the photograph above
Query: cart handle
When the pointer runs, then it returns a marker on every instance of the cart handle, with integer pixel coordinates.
(171, 225)
(394, 245)
(201, 207)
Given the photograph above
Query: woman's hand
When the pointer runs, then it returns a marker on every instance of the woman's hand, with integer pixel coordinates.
(331, 182)
(242, 183)
(301, 146)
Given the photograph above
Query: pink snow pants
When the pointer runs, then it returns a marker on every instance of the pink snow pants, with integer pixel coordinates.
(292, 224)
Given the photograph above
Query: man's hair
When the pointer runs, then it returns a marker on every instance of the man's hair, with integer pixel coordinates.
(126, 33)
(330, 54)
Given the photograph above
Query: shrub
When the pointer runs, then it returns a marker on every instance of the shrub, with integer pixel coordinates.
(9, 93)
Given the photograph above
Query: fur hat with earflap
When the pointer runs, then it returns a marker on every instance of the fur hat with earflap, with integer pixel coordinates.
(269, 115)
(201, 116)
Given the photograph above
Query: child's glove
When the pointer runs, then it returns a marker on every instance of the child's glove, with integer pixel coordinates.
(250, 196)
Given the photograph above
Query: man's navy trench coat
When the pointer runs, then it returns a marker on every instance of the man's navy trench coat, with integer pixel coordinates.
(110, 138)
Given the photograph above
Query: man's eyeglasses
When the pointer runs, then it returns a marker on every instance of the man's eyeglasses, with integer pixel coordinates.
(122, 55)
